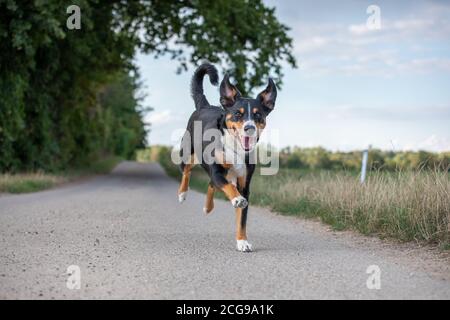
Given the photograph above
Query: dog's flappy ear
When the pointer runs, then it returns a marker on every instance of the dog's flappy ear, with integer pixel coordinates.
(268, 96)
(228, 93)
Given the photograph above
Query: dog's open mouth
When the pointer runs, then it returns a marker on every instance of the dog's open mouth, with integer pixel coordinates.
(247, 142)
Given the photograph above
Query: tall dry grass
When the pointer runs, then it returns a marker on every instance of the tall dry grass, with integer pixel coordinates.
(405, 205)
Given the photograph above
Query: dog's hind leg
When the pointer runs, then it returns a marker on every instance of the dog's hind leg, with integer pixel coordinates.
(209, 204)
(186, 174)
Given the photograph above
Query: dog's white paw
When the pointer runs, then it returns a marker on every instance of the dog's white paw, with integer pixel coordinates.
(182, 197)
(239, 202)
(243, 246)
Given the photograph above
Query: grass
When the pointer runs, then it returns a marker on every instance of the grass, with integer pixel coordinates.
(408, 206)
(405, 205)
(37, 181)
(28, 182)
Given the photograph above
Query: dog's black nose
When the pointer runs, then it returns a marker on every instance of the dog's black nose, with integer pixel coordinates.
(249, 129)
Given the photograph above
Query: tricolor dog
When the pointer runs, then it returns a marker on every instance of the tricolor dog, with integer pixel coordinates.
(239, 122)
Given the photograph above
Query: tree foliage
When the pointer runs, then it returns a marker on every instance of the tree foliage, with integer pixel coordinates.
(50, 115)
(69, 96)
(244, 36)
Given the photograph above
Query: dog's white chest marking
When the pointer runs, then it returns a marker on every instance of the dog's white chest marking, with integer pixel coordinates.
(237, 170)
(234, 157)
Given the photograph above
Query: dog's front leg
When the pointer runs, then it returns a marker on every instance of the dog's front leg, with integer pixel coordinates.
(241, 230)
(231, 192)
(241, 213)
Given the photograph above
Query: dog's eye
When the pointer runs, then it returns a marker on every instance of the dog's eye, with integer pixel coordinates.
(238, 114)
(257, 115)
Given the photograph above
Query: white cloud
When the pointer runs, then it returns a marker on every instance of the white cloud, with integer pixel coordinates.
(389, 113)
(431, 143)
(359, 29)
(160, 117)
(406, 26)
(311, 44)
(412, 25)
(353, 49)
(425, 65)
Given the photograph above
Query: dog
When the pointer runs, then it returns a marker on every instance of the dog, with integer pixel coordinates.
(239, 122)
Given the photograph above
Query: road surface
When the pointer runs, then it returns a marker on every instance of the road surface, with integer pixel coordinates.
(130, 238)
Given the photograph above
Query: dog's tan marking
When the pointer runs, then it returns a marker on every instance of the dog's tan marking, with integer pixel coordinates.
(255, 110)
(226, 165)
(241, 232)
(231, 178)
(230, 191)
(235, 125)
(209, 204)
(186, 175)
(241, 183)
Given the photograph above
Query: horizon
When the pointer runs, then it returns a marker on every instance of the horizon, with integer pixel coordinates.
(262, 145)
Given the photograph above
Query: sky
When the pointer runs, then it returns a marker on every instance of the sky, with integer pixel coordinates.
(355, 85)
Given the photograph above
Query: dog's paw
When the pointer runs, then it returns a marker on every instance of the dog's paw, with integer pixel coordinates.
(182, 197)
(239, 202)
(206, 210)
(243, 246)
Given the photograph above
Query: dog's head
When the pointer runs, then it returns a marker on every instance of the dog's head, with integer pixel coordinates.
(245, 118)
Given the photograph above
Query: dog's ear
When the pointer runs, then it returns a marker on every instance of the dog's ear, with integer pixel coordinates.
(268, 96)
(228, 93)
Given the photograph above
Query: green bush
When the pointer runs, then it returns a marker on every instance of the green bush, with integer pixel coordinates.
(66, 96)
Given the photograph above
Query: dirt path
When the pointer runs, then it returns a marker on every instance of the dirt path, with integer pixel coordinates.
(130, 238)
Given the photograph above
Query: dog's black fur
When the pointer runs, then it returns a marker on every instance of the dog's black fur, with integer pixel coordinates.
(238, 115)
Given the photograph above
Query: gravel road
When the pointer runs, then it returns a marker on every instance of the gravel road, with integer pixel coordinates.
(130, 238)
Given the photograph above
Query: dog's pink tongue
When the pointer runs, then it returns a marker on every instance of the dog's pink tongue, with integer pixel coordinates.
(247, 143)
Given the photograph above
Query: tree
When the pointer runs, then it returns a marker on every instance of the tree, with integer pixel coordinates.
(244, 36)
(52, 78)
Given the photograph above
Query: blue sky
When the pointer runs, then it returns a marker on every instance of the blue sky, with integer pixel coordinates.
(354, 86)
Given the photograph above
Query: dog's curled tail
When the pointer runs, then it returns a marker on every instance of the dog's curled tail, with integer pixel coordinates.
(197, 83)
